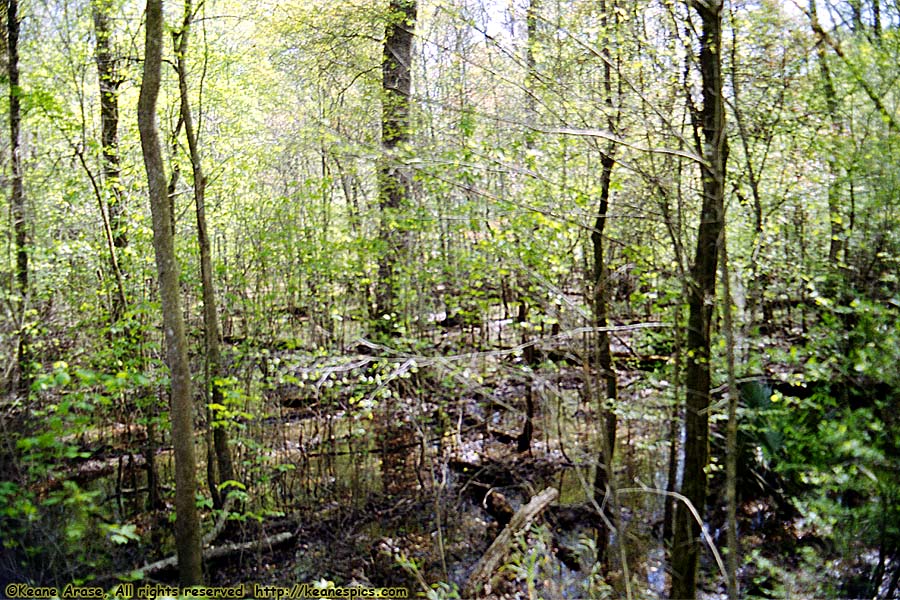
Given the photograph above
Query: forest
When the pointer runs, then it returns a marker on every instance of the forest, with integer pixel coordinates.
(450, 298)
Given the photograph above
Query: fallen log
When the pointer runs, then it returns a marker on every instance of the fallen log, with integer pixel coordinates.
(218, 552)
(520, 521)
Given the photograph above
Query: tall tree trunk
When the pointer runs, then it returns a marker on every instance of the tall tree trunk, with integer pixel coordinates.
(610, 392)
(731, 430)
(607, 395)
(109, 116)
(210, 312)
(109, 82)
(838, 232)
(531, 17)
(394, 191)
(674, 433)
(17, 199)
(187, 525)
(394, 186)
(701, 300)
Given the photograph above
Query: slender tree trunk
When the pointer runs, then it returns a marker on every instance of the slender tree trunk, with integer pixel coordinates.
(731, 430)
(531, 18)
(17, 199)
(109, 82)
(838, 232)
(394, 186)
(154, 502)
(109, 115)
(119, 301)
(394, 191)
(187, 525)
(702, 294)
(876, 19)
(529, 355)
(674, 226)
(210, 311)
(610, 392)
(674, 433)
(608, 395)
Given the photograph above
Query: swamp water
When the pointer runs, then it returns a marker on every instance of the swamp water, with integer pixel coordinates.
(370, 494)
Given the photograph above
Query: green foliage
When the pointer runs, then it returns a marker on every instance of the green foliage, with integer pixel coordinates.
(768, 578)
(440, 590)
(504, 162)
(840, 444)
(16, 504)
(533, 562)
(121, 534)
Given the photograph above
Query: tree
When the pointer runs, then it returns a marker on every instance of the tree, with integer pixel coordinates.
(214, 375)
(109, 81)
(601, 276)
(394, 184)
(837, 248)
(532, 13)
(712, 147)
(187, 525)
(544, 158)
(17, 196)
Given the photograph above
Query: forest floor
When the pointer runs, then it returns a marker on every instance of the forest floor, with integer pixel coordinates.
(400, 470)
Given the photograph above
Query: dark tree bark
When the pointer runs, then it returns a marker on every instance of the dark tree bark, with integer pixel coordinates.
(187, 525)
(876, 19)
(109, 81)
(394, 185)
(712, 147)
(394, 191)
(17, 197)
(523, 441)
(210, 311)
(674, 431)
(609, 393)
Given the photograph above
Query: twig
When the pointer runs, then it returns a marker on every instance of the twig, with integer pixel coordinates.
(690, 507)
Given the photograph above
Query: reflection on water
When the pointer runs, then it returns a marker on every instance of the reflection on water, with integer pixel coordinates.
(392, 468)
